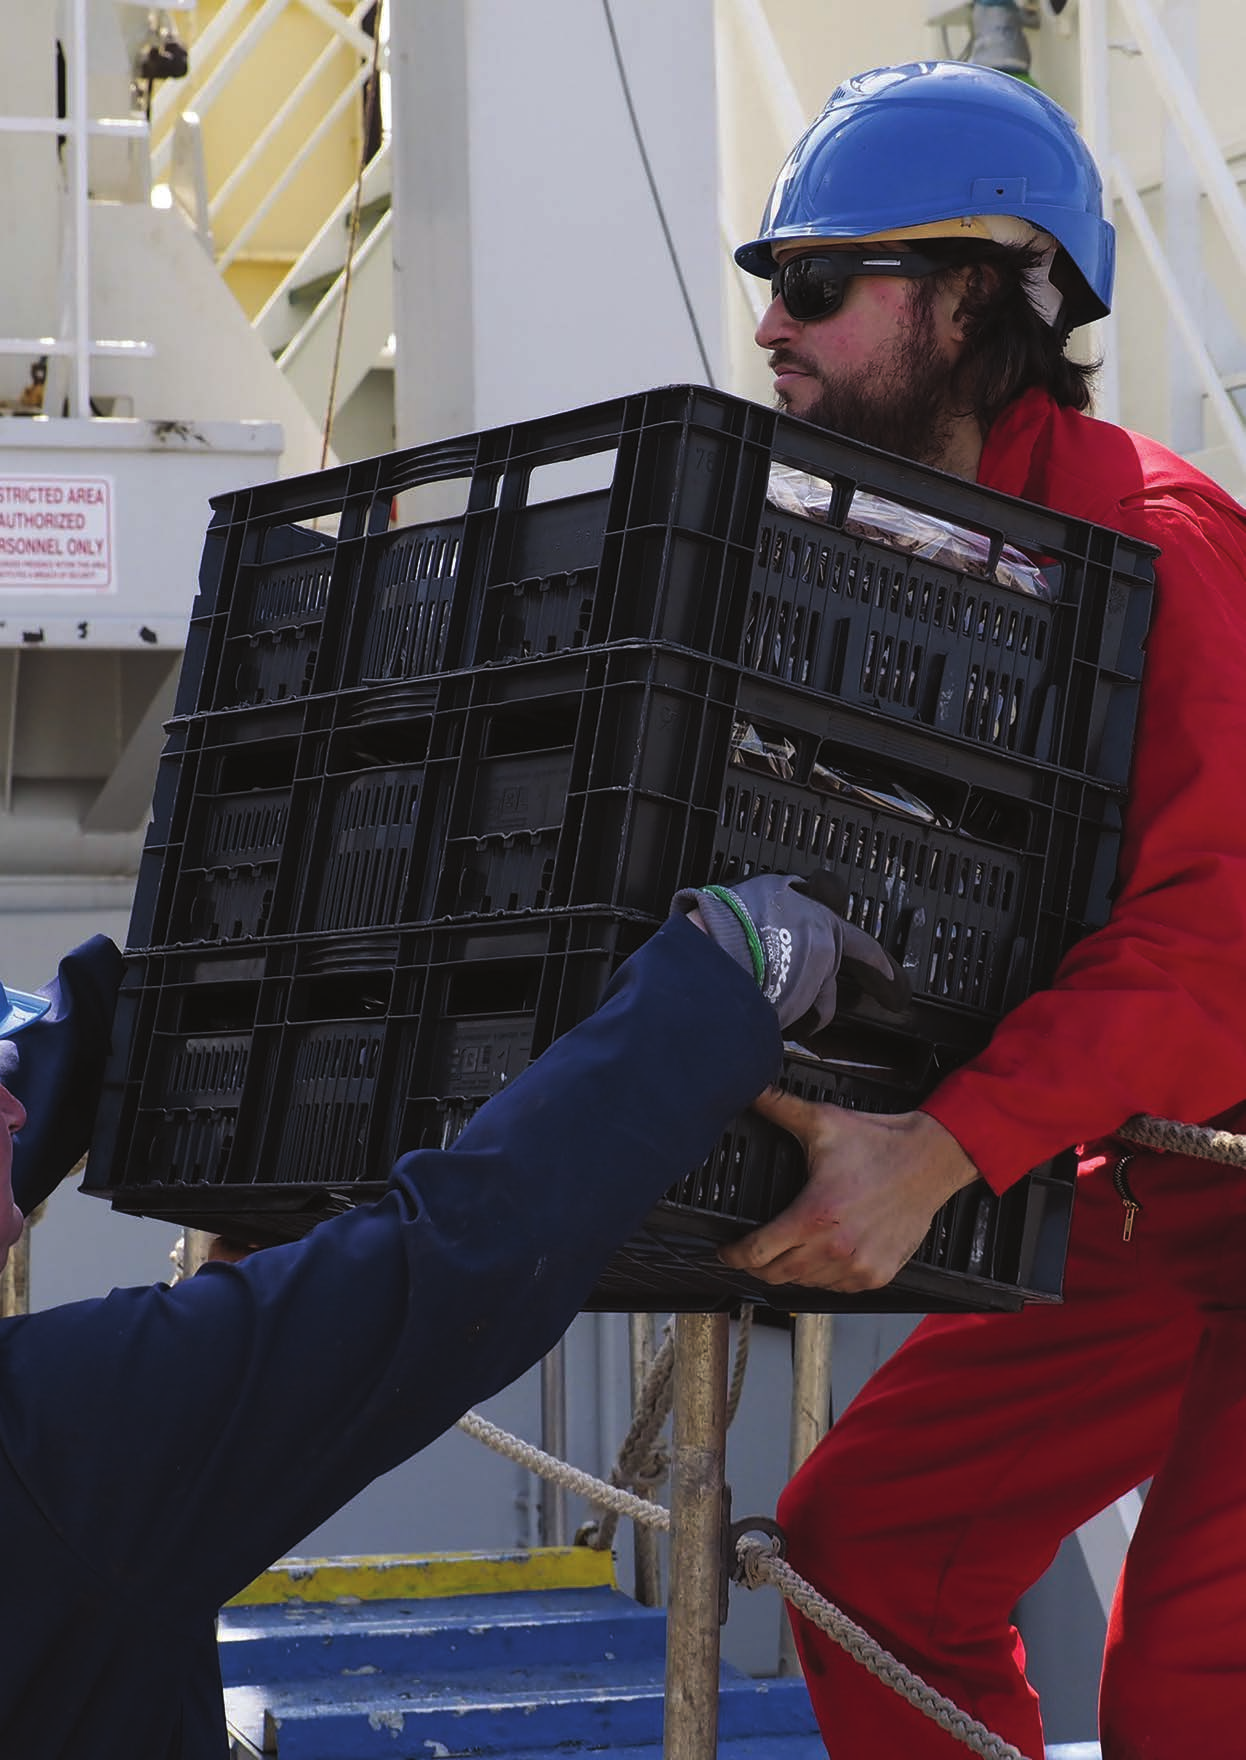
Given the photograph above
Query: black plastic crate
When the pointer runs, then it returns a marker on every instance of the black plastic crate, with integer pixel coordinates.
(255, 1094)
(275, 822)
(982, 1250)
(226, 849)
(606, 780)
(313, 1061)
(679, 544)
(265, 642)
(612, 778)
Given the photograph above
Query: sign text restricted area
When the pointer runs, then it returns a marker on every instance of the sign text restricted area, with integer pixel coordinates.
(57, 533)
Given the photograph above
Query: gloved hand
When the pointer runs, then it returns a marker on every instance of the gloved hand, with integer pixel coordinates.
(789, 933)
(55, 1067)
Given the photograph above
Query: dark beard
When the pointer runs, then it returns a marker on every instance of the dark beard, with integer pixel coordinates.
(905, 408)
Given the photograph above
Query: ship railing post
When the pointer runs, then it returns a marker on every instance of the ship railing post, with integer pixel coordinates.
(696, 1563)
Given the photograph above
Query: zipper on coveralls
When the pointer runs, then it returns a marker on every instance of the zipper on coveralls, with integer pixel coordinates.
(1120, 1180)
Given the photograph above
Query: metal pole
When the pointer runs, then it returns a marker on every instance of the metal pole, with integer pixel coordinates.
(811, 1416)
(1096, 129)
(80, 143)
(692, 1629)
(195, 1245)
(646, 1553)
(15, 1279)
(554, 1441)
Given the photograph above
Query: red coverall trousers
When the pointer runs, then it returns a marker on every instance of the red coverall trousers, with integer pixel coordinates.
(945, 1489)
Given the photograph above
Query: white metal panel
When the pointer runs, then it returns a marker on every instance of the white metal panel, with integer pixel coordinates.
(533, 270)
(152, 274)
(162, 475)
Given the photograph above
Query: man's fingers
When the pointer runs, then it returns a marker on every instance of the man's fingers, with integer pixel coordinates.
(772, 1259)
(786, 1238)
(758, 1252)
(773, 1262)
(874, 971)
(788, 1111)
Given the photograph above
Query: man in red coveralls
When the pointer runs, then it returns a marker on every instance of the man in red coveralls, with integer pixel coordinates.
(932, 240)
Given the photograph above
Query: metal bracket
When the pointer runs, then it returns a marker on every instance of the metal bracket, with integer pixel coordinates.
(732, 1532)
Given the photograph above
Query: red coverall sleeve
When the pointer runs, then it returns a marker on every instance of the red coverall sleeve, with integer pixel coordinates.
(1148, 1014)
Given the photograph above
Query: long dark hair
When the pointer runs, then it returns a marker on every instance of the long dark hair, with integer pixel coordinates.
(1008, 347)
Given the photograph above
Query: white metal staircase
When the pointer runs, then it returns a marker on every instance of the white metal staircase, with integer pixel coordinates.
(272, 200)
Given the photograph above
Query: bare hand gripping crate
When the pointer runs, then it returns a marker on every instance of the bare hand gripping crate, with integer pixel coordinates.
(429, 782)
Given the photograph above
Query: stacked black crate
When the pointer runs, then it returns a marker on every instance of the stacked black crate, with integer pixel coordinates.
(429, 781)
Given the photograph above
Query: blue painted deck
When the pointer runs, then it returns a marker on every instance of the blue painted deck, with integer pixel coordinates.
(529, 1676)
(543, 1675)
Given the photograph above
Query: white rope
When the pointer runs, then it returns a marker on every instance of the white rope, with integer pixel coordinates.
(642, 1462)
(650, 1515)
(743, 1340)
(758, 1564)
(1186, 1139)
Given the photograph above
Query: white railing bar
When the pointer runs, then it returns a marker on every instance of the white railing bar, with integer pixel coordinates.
(368, 249)
(1095, 121)
(275, 191)
(217, 35)
(206, 95)
(1104, 1540)
(1181, 312)
(776, 82)
(375, 165)
(1181, 100)
(345, 28)
(277, 121)
(41, 345)
(113, 126)
(80, 404)
(213, 37)
(750, 286)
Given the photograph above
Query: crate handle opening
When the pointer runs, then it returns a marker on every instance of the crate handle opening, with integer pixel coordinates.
(587, 474)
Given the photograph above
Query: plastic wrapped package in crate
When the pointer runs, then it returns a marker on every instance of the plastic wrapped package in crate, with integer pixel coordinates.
(679, 541)
(609, 779)
(256, 1094)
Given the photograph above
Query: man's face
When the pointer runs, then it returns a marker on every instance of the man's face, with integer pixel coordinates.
(878, 370)
(12, 1118)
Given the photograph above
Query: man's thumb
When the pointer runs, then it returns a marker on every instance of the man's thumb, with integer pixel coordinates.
(788, 1111)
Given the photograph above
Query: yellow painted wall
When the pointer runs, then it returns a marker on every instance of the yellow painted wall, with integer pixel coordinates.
(281, 56)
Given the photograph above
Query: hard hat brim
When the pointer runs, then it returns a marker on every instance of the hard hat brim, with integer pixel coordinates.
(21, 1008)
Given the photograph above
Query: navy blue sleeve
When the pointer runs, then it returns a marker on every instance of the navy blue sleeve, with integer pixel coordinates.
(220, 1421)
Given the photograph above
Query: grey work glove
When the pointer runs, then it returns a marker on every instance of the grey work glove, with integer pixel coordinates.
(789, 933)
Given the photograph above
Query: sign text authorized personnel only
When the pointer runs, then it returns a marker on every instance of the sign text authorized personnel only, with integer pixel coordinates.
(56, 533)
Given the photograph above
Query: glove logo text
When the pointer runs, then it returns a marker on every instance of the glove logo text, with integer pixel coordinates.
(777, 947)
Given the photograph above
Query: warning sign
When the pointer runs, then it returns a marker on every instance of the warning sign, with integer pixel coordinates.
(57, 533)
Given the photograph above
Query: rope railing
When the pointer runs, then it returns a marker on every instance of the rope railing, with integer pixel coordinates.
(757, 1564)
(1198, 1140)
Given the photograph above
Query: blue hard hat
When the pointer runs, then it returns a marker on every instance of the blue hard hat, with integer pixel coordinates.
(942, 140)
(18, 1009)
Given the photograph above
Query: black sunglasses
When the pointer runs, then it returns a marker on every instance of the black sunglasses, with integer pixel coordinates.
(813, 287)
